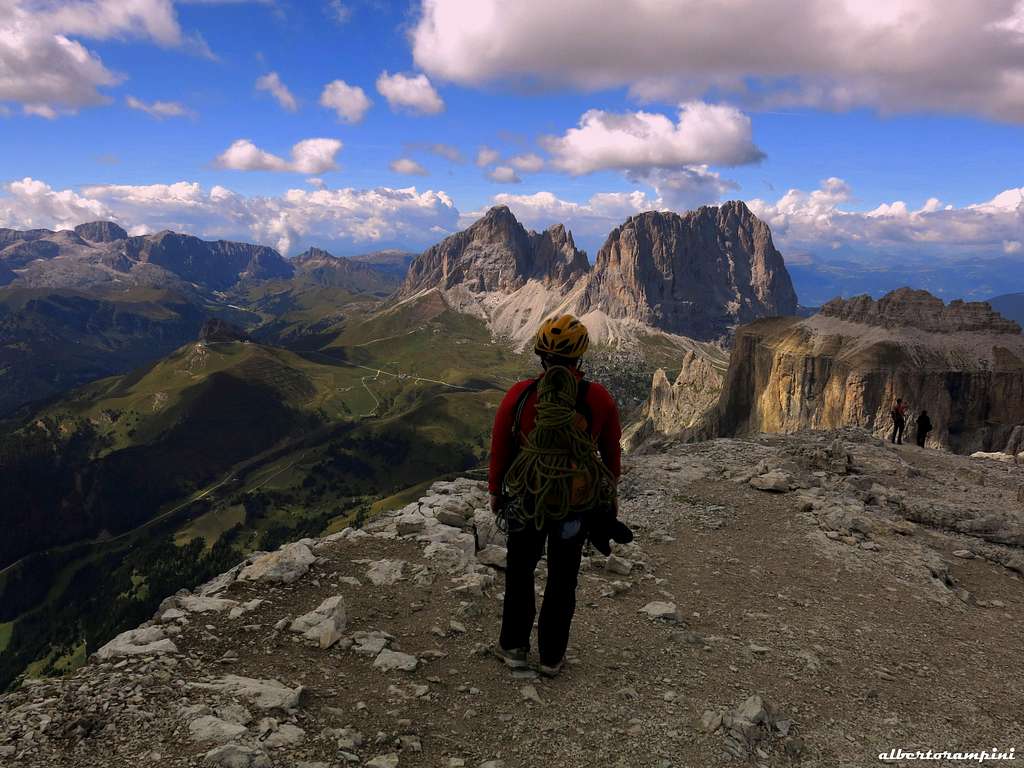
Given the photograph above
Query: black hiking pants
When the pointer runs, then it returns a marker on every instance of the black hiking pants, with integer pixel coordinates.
(922, 435)
(525, 548)
(897, 430)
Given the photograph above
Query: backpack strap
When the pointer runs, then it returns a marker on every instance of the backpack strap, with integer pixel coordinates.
(582, 406)
(520, 407)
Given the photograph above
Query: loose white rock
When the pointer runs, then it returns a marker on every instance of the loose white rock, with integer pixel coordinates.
(388, 660)
(382, 573)
(213, 729)
(289, 563)
(236, 756)
(660, 610)
(146, 641)
(494, 556)
(775, 481)
(200, 604)
(389, 760)
(325, 624)
(264, 694)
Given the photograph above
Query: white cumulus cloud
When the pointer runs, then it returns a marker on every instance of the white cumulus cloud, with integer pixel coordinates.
(159, 109)
(29, 204)
(271, 83)
(40, 110)
(350, 102)
(487, 156)
(703, 134)
(820, 221)
(504, 174)
(346, 220)
(895, 56)
(45, 69)
(412, 93)
(311, 156)
(407, 166)
(680, 189)
(528, 163)
(40, 68)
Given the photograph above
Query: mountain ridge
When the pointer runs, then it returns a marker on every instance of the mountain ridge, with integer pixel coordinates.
(654, 274)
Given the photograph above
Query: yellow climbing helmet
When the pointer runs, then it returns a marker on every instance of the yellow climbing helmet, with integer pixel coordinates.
(564, 336)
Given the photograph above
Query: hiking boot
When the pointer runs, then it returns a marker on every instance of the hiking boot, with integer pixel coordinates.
(514, 658)
(551, 670)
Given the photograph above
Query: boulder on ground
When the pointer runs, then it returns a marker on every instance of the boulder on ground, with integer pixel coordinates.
(496, 557)
(371, 643)
(382, 573)
(264, 694)
(775, 481)
(388, 660)
(325, 624)
(145, 641)
(658, 609)
(200, 604)
(284, 566)
(486, 528)
(212, 729)
(237, 756)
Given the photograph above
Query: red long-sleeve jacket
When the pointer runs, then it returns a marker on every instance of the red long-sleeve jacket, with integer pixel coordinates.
(604, 428)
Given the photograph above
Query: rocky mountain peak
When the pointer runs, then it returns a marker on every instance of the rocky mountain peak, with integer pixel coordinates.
(101, 232)
(697, 274)
(919, 309)
(496, 253)
(314, 254)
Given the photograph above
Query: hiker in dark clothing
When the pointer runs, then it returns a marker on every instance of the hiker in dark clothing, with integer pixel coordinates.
(924, 426)
(899, 421)
(549, 487)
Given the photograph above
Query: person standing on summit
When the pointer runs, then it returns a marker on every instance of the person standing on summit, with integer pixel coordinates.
(554, 468)
(924, 426)
(899, 421)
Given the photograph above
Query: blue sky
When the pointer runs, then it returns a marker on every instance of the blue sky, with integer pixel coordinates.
(846, 134)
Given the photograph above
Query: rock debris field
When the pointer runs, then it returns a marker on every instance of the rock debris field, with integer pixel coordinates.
(813, 599)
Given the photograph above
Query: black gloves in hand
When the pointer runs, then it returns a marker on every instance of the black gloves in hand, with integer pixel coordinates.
(603, 528)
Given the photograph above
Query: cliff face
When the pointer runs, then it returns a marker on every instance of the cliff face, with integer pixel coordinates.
(101, 232)
(846, 365)
(498, 254)
(697, 274)
(678, 405)
(218, 264)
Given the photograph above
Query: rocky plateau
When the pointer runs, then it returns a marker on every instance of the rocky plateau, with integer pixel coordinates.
(786, 601)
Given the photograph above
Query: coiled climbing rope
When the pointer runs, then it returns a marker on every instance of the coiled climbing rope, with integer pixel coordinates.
(557, 472)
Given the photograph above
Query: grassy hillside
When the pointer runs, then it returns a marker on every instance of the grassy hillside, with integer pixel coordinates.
(54, 340)
(134, 486)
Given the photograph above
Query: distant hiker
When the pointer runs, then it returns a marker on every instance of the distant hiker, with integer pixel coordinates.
(899, 421)
(555, 461)
(924, 426)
